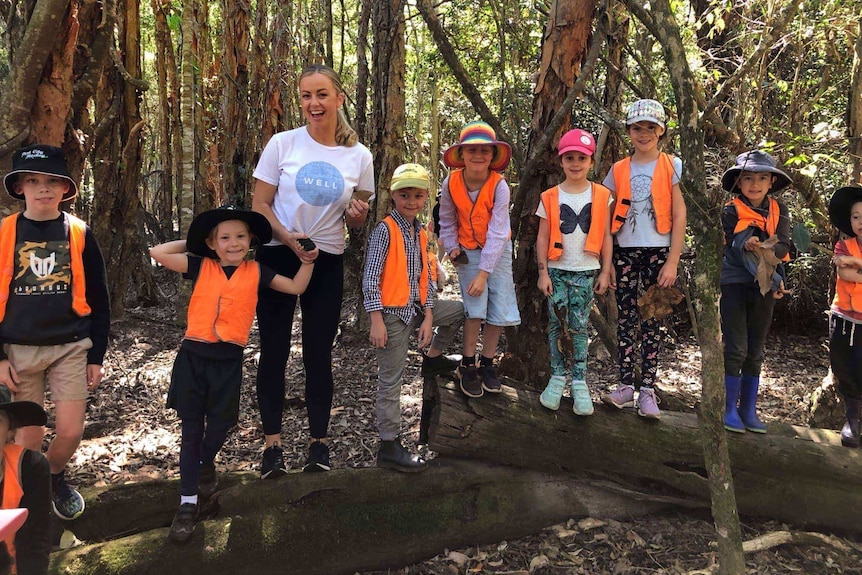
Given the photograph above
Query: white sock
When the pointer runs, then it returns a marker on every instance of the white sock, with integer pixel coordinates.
(188, 499)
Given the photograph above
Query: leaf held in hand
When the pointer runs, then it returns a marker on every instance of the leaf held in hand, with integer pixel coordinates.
(658, 302)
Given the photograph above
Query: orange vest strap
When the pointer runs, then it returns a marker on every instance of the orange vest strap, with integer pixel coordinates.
(222, 309)
(473, 218)
(661, 190)
(848, 295)
(395, 278)
(12, 491)
(747, 217)
(77, 234)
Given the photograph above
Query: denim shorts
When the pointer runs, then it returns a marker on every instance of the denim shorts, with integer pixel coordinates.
(497, 305)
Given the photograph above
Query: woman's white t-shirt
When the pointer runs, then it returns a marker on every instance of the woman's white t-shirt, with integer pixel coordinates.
(314, 184)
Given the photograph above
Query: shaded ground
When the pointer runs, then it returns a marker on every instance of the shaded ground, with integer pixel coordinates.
(131, 437)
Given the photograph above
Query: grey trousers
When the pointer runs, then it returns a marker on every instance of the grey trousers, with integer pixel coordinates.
(448, 315)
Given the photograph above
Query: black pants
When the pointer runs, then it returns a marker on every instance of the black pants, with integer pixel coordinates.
(845, 356)
(746, 317)
(321, 313)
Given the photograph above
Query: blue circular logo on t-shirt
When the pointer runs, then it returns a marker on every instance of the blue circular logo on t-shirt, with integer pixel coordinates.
(319, 183)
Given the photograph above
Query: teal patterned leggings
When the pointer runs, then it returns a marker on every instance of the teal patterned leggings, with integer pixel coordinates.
(569, 311)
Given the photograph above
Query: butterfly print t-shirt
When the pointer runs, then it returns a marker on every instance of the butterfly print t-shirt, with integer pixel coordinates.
(575, 219)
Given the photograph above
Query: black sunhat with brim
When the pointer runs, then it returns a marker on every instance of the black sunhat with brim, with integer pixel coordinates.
(39, 159)
(754, 161)
(21, 413)
(840, 205)
(202, 225)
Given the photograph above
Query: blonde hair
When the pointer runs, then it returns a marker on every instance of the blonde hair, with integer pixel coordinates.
(344, 134)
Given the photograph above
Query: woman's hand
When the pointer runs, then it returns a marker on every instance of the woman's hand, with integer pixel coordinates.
(356, 212)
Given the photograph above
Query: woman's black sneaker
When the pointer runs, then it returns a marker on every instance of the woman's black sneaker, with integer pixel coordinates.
(272, 466)
(318, 458)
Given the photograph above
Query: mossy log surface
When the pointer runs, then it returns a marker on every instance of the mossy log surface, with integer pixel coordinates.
(794, 474)
(343, 521)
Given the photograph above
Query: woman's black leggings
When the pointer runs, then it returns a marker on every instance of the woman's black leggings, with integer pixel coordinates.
(321, 313)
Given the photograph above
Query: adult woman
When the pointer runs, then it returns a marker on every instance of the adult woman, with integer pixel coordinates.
(25, 482)
(306, 181)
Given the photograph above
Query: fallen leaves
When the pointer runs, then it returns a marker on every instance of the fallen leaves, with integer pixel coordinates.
(766, 264)
(657, 302)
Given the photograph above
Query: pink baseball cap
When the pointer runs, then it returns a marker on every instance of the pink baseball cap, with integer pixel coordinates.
(577, 140)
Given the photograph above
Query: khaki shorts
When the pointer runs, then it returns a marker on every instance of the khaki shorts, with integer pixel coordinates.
(60, 368)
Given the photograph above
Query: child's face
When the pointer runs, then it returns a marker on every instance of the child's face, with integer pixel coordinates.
(856, 219)
(755, 185)
(42, 193)
(576, 166)
(477, 157)
(230, 240)
(409, 201)
(320, 99)
(645, 135)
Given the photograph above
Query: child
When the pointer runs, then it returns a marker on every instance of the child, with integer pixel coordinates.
(753, 216)
(399, 297)
(54, 310)
(845, 213)
(648, 223)
(574, 242)
(207, 373)
(475, 229)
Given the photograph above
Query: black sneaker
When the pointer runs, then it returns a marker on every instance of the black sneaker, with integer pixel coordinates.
(183, 524)
(490, 381)
(437, 365)
(66, 502)
(272, 466)
(207, 480)
(468, 379)
(318, 458)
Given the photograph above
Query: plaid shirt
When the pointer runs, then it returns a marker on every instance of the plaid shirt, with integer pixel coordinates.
(378, 247)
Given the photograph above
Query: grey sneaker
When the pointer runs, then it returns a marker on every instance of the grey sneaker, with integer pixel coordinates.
(622, 396)
(648, 403)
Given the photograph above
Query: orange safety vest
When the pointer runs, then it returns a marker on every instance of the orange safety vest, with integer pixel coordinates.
(222, 309)
(599, 217)
(848, 295)
(473, 218)
(12, 492)
(661, 190)
(395, 278)
(747, 217)
(77, 233)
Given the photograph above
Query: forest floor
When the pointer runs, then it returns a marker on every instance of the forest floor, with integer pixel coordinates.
(130, 436)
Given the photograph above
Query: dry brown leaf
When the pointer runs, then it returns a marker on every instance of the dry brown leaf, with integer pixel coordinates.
(657, 302)
(766, 264)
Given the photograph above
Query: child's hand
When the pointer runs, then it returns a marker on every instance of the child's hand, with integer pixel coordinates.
(667, 275)
(477, 286)
(612, 278)
(304, 256)
(544, 283)
(426, 330)
(454, 255)
(603, 282)
(781, 292)
(94, 376)
(751, 244)
(8, 376)
(378, 336)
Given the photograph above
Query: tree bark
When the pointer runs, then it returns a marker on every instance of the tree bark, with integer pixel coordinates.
(338, 523)
(794, 474)
(234, 104)
(854, 110)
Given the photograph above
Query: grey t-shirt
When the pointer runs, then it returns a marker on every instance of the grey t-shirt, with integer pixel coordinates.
(639, 230)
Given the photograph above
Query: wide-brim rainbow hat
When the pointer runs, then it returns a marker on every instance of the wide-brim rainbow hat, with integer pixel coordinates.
(479, 134)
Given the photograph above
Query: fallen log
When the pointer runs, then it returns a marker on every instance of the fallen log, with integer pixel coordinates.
(343, 521)
(794, 474)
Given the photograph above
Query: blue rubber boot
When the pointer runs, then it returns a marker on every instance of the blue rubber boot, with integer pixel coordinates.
(852, 430)
(748, 402)
(732, 422)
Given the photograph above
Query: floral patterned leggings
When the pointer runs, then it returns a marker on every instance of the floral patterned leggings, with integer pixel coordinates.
(636, 267)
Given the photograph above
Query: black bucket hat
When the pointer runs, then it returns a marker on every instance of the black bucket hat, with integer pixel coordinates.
(840, 205)
(754, 161)
(40, 159)
(21, 413)
(201, 226)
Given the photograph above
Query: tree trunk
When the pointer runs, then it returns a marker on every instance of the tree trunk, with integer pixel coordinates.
(162, 202)
(563, 49)
(794, 474)
(234, 102)
(338, 523)
(854, 109)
